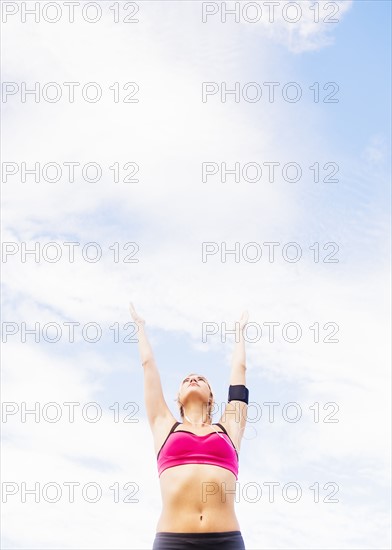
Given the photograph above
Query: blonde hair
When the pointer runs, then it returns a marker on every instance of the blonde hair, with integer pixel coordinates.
(209, 405)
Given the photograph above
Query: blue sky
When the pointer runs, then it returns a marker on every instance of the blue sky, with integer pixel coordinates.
(363, 41)
(169, 213)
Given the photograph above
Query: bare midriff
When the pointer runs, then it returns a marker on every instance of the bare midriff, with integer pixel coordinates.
(197, 498)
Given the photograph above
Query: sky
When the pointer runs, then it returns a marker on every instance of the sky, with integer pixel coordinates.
(335, 376)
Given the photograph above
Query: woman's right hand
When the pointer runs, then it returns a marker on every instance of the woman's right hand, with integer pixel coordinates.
(138, 320)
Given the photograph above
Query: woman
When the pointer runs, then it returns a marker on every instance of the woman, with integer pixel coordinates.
(197, 460)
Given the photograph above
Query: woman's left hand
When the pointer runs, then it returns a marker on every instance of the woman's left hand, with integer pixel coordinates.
(244, 319)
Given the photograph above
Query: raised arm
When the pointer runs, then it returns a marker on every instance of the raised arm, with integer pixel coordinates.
(234, 415)
(238, 363)
(156, 406)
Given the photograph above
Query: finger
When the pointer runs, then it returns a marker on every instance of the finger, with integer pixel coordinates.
(245, 316)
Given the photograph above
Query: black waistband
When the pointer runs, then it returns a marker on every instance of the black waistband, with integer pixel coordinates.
(212, 534)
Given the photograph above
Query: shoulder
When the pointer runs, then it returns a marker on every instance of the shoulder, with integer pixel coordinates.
(233, 420)
(161, 428)
(164, 423)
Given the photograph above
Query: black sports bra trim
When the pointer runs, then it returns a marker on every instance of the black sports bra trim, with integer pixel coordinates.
(188, 432)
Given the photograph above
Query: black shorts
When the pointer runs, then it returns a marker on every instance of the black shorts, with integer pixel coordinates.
(224, 540)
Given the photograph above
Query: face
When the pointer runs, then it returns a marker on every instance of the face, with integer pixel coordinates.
(195, 382)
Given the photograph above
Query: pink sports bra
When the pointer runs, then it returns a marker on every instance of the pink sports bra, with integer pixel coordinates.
(183, 447)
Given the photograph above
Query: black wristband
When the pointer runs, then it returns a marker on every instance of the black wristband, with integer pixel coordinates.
(238, 392)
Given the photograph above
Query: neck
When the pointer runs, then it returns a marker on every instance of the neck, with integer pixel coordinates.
(195, 417)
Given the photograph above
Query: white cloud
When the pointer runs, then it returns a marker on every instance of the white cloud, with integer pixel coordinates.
(376, 152)
(302, 26)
